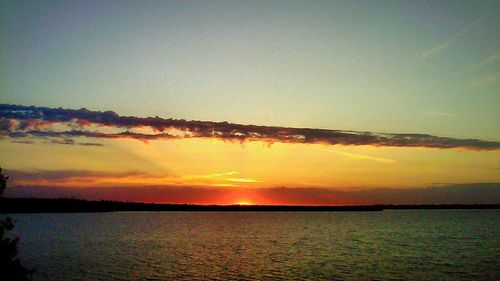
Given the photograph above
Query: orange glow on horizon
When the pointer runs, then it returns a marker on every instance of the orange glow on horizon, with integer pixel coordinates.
(244, 203)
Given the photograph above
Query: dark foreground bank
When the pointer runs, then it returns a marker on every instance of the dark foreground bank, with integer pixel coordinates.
(63, 205)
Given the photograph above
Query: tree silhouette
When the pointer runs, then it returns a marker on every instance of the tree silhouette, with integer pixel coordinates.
(3, 182)
(11, 268)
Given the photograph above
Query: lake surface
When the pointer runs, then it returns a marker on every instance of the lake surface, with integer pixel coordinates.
(388, 245)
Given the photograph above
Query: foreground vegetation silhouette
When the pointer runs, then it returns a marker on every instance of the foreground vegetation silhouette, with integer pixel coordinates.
(10, 267)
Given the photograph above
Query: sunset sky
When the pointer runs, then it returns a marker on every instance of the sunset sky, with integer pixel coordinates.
(293, 102)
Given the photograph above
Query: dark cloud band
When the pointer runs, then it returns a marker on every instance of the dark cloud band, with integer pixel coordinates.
(471, 193)
(19, 121)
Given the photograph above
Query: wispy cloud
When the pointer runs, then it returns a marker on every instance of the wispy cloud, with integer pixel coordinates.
(484, 80)
(63, 141)
(489, 60)
(89, 178)
(224, 177)
(243, 180)
(213, 175)
(78, 177)
(90, 144)
(432, 52)
(436, 50)
(223, 185)
(362, 157)
(23, 141)
(25, 122)
(441, 114)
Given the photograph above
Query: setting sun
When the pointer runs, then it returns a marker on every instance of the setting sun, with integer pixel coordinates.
(243, 203)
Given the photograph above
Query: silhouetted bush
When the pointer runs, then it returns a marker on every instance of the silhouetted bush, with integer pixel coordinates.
(10, 267)
(3, 182)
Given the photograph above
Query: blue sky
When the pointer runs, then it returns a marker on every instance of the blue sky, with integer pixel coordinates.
(397, 66)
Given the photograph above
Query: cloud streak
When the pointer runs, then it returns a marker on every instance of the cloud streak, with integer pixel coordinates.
(363, 157)
(489, 60)
(436, 50)
(93, 179)
(446, 44)
(440, 114)
(18, 121)
(484, 80)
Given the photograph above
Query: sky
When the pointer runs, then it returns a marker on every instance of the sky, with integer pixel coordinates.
(260, 102)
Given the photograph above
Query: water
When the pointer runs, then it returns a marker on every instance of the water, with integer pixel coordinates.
(389, 245)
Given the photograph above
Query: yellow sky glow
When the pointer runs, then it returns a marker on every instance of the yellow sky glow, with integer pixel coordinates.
(204, 162)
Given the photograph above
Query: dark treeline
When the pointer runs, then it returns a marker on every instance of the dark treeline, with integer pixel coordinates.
(62, 205)
(439, 206)
(45, 205)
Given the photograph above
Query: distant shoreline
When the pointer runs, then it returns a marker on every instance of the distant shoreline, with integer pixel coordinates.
(64, 205)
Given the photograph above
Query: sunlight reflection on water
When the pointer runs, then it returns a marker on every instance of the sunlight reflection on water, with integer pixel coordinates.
(409, 245)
